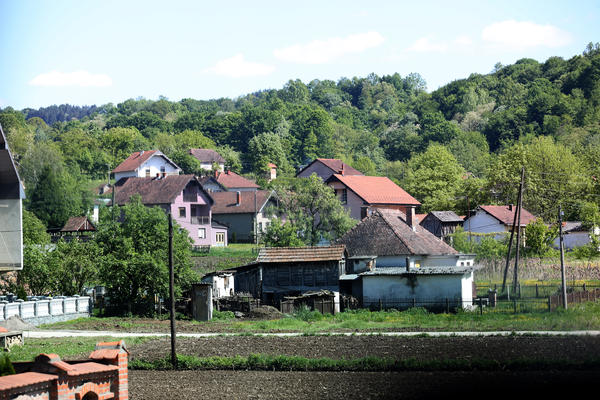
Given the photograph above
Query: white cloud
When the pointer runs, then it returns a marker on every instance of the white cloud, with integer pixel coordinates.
(428, 45)
(525, 34)
(238, 67)
(463, 40)
(324, 51)
(77, 78)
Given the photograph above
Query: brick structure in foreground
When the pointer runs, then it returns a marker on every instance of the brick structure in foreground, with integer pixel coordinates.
(102, 376)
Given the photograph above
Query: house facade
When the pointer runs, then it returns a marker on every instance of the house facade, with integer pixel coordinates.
(496, 221)
(289, 271)
(146, 164)
(390, 256)
(442, 223)
(208, 158)
(246, 214)
(325, 167)
(11, 211)
(183, 197)
(575, 235)
(361, 194)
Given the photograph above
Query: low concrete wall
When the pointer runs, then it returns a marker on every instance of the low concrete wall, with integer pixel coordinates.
(48, 310)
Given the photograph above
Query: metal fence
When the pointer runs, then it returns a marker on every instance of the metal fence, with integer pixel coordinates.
(531, 291)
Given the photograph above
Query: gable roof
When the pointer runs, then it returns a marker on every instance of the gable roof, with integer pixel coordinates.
(207, 155)
(445, 216)
(334, 164)
(505, 215)
(230, 179)
(225, 202)
(10, 183)
(209, 179)
(375, 189)
(137, 159)
(78, 224)
(300, 254)
(385, 233)
(154, 191)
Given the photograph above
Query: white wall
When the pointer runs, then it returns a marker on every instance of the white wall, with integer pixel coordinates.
(222, 286)
(573, 239)
(425, 261)
(11, 235)
(208, 166)
(154, 163)
(482, 222)
(424, 287)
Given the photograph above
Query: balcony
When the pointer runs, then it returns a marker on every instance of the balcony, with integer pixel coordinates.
(201, 220)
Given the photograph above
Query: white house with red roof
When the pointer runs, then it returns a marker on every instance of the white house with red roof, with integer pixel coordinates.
(146, 164)
(362, 194)
(497, 221)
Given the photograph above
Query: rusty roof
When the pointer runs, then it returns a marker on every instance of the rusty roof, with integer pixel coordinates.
(250, 201)
(230, 180)
(506, 214)
(334, 164)
(155, 190)
(25, 379)
(78, 224)
(375, 189)
(300, 254)
(385, 233)
(207, 155)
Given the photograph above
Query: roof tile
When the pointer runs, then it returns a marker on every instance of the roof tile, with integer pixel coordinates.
(24, 379)
(300, 254)
(506, 215)
(376, 189)
(250, 201)
(230, 180)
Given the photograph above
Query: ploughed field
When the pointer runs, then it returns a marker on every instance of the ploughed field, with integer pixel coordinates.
(371, 385)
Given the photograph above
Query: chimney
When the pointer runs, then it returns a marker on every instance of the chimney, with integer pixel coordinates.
(510, 207)
(238, 198)
(216, 174)
(342, 168)
(411, 220)
(407, 264)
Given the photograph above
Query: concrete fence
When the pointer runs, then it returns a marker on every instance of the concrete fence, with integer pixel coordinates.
(47, 310)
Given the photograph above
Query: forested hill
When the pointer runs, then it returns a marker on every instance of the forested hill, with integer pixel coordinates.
(467, 139)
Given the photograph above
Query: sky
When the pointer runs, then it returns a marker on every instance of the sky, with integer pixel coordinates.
(97, 52)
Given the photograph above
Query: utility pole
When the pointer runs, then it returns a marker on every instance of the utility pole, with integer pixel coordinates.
(512, 233)
(562, 259)
(172, 293)
(516, 278)
(469, 216)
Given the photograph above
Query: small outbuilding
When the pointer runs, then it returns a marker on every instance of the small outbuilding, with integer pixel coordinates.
(442, 223)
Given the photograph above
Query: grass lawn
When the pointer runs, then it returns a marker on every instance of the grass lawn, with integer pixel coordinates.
(578, 317)
(219, 258)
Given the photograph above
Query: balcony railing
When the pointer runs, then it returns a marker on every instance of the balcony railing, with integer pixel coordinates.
(202, 220)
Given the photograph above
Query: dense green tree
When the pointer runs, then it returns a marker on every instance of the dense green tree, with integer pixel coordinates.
(313, 208)
(281, 234)
(264, 149)
(133, 240)
(434, 178)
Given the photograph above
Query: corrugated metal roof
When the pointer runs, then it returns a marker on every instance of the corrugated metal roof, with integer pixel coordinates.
(300, 254)
(448, 270)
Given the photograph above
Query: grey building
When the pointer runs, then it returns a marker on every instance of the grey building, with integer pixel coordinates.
(442, 223)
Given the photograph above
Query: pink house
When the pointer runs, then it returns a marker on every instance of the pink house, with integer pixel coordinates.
(182, 196)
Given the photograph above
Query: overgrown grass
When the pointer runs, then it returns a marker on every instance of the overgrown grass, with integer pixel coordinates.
(66, 348)
(578, 317)
(295, 363)
(232, 250)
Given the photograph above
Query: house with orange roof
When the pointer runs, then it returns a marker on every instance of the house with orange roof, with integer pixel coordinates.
(362, 194)
(496, 221)
(146, 164)
(325, 167)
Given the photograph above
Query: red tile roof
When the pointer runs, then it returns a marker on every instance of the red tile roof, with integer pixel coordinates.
(225, 202)
(134, 161)
(24, 379)
(89, 368)
(300, 254)
(376, 189)
(152, 190)
(505, 215)
(207, 156)
(336, 165)
(230, 180)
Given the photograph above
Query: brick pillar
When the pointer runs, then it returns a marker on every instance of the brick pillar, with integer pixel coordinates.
(123, 386)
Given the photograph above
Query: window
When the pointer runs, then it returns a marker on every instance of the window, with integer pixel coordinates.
(344, 196)
(147, 172)
(182, 212)
(162, 169)
(220, 238)
(202, 233)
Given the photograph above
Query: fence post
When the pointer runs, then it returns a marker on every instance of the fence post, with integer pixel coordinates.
(537, 293)
(515, 305)
(549, 304)
(414, 303)
(508, 292)
(584, 286)
(480, 306)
